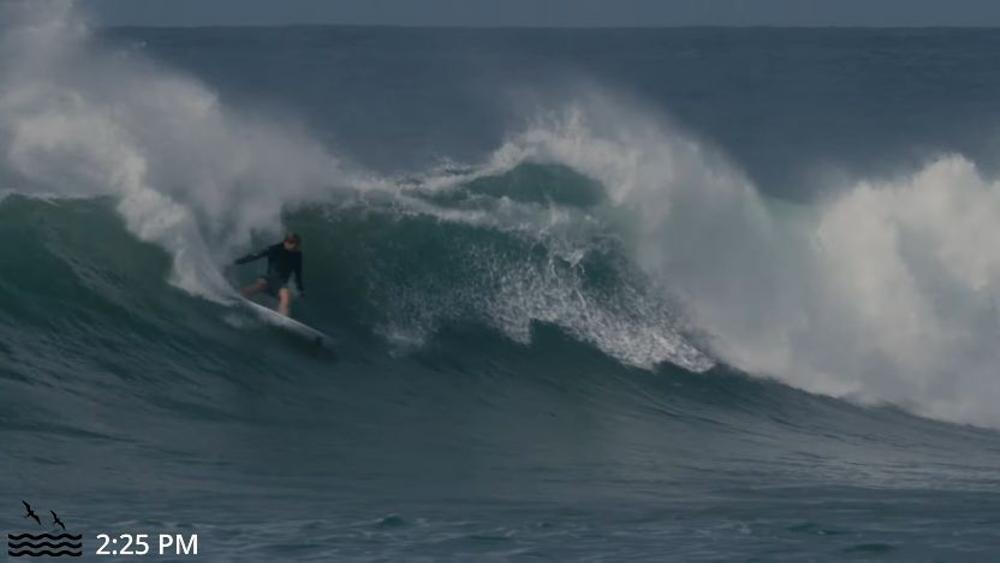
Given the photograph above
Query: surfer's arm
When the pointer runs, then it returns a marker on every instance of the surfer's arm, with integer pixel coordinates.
(252, 256)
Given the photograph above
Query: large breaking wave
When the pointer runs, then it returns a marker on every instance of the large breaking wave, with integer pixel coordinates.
(601, 218)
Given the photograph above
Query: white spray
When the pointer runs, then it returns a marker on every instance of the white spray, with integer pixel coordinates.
(78, 121)
(887, 292)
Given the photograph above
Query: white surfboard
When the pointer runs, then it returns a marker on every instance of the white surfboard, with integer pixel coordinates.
(287, 323)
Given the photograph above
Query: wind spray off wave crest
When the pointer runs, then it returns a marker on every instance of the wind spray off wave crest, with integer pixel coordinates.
(684, 216)
(886, 292)
(80, 119)
(537, 246)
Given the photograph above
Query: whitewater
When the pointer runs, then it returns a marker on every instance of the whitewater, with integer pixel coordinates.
(605, 294)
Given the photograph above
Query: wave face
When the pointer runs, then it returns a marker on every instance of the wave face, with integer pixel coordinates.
(570, 324)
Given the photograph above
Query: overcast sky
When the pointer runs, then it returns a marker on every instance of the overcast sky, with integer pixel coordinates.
(551, 12)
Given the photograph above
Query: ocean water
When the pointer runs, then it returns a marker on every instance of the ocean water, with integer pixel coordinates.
(600, 295)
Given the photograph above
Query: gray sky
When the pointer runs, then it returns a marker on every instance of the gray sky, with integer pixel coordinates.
(551, 12)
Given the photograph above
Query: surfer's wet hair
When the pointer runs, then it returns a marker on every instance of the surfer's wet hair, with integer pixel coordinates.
(293, 238)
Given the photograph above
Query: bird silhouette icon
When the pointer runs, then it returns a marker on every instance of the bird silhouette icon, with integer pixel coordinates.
(56, 520)
(31, 513)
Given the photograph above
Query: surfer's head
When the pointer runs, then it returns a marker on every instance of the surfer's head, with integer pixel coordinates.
(293, 242)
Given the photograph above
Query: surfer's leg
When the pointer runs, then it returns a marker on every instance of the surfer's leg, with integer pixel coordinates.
(284, 301)
(257, 286)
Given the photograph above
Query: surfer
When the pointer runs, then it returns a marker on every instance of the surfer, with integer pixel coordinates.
(283, 260)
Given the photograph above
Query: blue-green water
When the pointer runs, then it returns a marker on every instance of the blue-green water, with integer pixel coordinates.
(603, 295)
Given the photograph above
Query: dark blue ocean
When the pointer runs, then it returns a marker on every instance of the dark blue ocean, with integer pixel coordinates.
(599, 295)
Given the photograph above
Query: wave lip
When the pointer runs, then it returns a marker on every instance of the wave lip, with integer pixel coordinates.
(36, 545)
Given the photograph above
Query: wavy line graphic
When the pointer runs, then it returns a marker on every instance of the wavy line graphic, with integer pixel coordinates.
(39, 545)
(44, 552)
(41, 536)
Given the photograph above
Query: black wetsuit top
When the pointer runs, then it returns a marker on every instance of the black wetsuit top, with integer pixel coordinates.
(281, 264)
